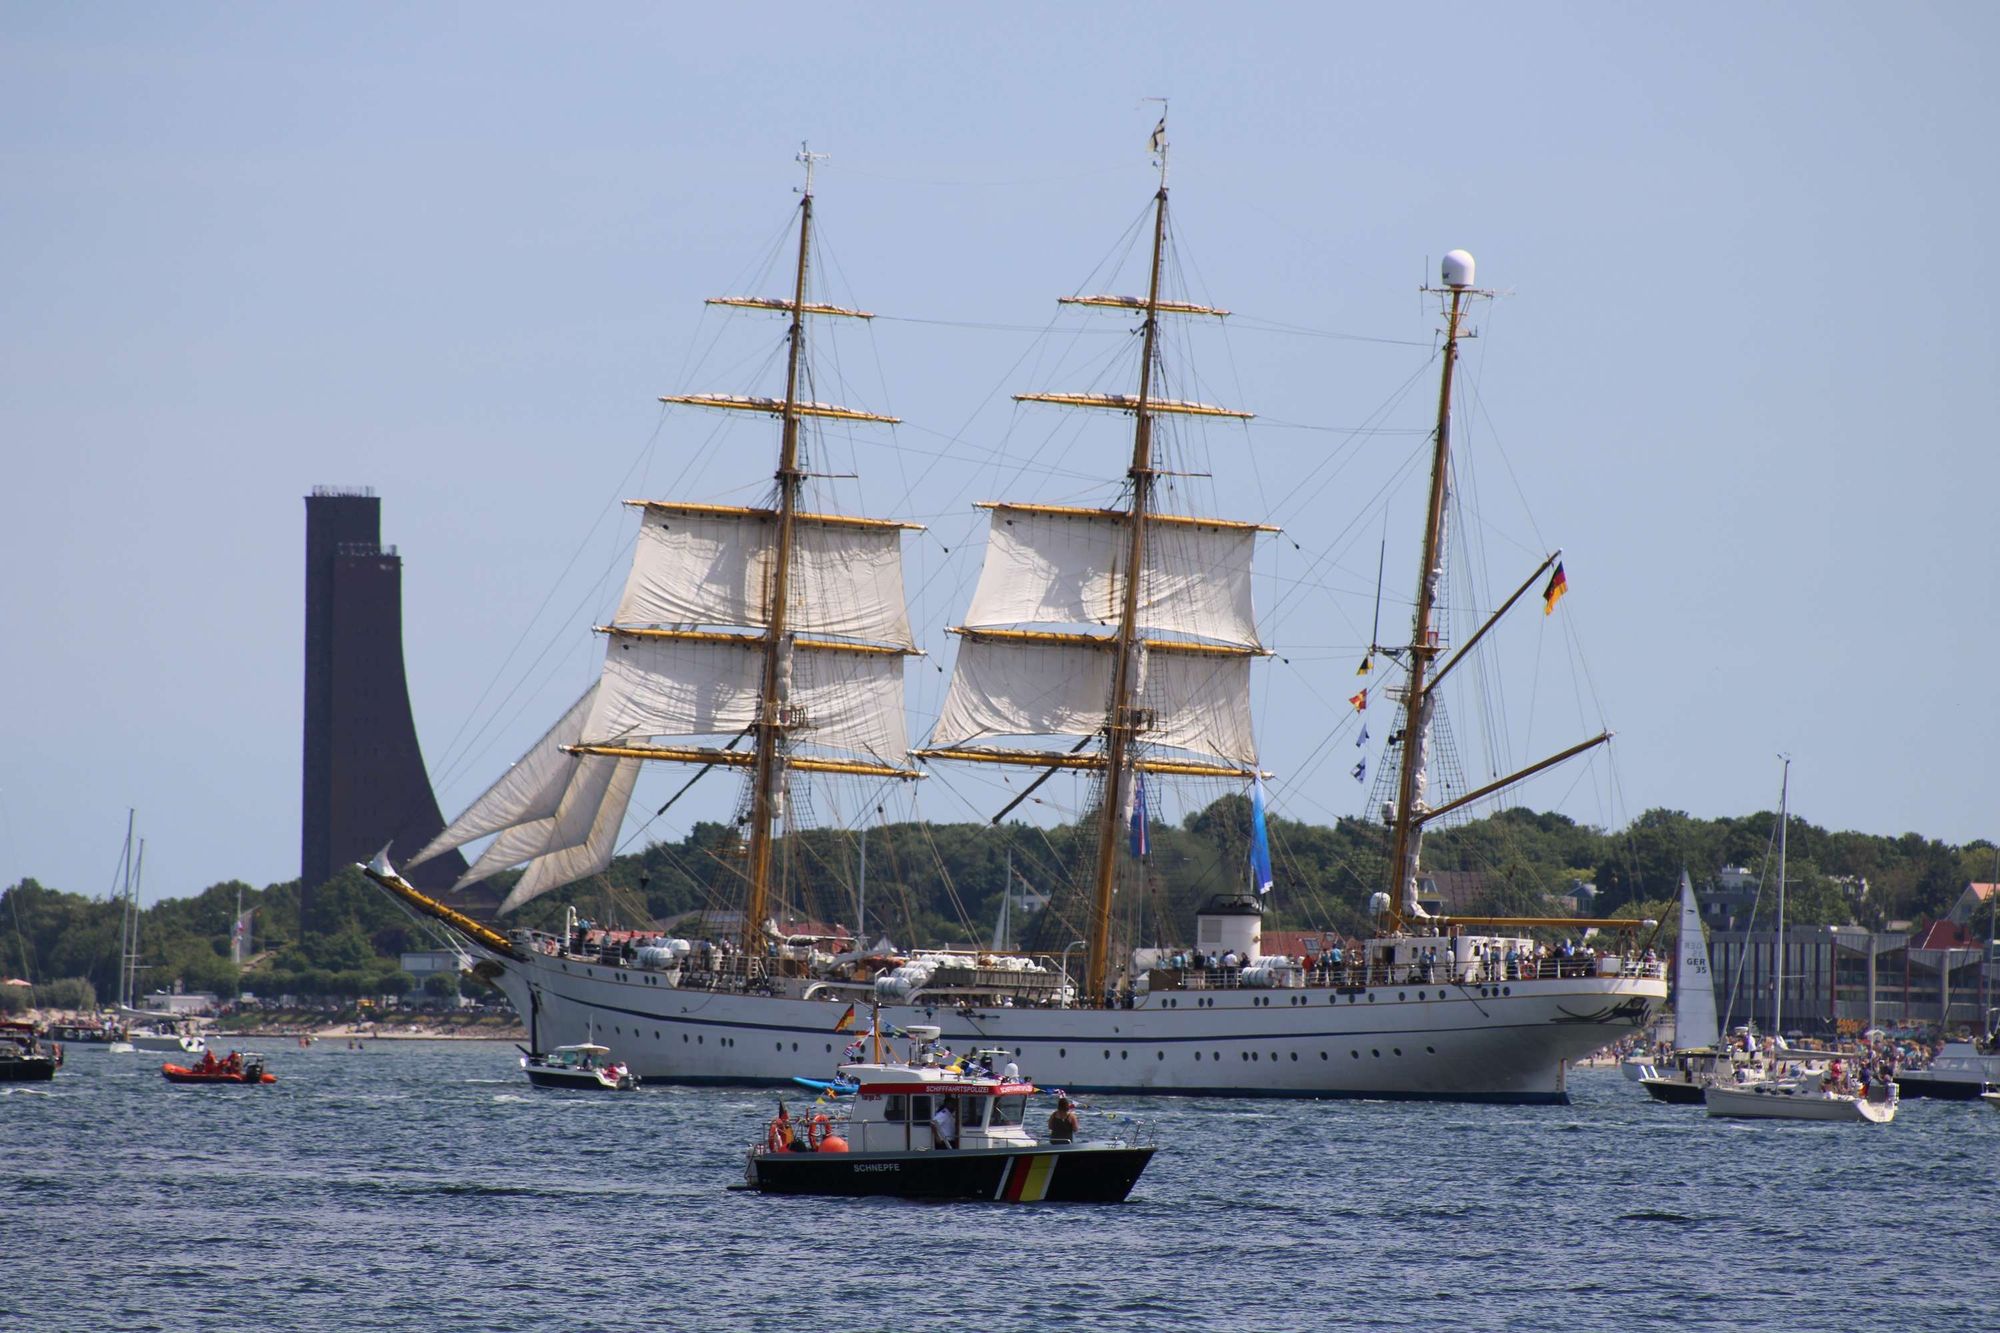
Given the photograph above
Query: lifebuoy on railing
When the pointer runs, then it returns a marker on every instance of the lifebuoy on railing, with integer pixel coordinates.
(777, 1135)
(817, 1130)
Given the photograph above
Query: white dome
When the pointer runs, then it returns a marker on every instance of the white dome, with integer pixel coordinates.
(1458, 269)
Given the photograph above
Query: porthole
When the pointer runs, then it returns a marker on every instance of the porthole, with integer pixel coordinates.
(1062, 1052)
(1295, 1056)
(1432, 1050)
(780, 1045)
(1398, 1050)
(1215, 1055)
(1355, 1054)
(684, 1036)
(829, 1048)
(1274, 1057)
(1124, 1055)
(1506, 990)
(1371, 997)
(1197, 1057)
(1107, 1055)
(1376, 1054)
(1400, 997)
(697, 1041)
(1159, 1055)
(656, 1034)
(795, 1046)
(1244, 1056)
(1322, 1055)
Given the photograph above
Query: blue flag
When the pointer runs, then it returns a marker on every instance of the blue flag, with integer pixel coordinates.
(1361, 770)
(1260, 843)
(1362, 739)
(1139, 845)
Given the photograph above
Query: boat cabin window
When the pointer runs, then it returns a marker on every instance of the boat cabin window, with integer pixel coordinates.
(1009, 1110)
(897, 1108)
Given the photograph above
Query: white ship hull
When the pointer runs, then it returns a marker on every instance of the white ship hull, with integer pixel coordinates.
(1499, 1043)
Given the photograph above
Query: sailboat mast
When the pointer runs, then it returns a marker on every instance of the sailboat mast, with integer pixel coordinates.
(126, 924)
(767, 790)
(1424, 645)
(1778, 999)
(1120, 724)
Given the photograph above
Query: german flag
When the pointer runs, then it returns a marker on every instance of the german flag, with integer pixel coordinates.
(846, 1020)
(1558, 585)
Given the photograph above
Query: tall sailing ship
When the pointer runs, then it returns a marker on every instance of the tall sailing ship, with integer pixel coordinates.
(1113, 641)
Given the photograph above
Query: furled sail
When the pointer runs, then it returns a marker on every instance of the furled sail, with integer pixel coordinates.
(1056, 565)
(529, 791)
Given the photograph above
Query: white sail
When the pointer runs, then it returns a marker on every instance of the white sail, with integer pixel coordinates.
(665, 688)
(530, 790)
(592, 777)
(1200, 702)
(1695, 1023)
(563, 865)
(1045, 567)
(694, 566)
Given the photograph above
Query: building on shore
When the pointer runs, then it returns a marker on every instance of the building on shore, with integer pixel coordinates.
(1848, 978)
(364, 781)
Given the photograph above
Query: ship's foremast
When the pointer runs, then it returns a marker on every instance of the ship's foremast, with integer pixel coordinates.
(768, 754)
(766, 800)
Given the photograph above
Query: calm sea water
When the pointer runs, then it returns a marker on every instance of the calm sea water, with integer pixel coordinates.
(425, 1186)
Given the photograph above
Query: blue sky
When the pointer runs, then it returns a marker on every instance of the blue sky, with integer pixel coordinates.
(1741, 372)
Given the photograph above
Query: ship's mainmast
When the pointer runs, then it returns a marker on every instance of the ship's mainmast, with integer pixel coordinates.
(1122, 720)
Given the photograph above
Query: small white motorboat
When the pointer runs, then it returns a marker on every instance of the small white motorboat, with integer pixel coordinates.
(585, 1065)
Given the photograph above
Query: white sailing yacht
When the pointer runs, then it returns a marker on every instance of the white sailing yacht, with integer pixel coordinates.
(1806, 1088)
(797, 644)
(145, 1029)
(1698, 1057)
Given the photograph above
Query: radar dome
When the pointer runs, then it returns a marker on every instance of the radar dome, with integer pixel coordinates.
(1458, 269)
(1378, 903)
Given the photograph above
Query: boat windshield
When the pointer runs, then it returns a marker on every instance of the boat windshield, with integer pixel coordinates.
(1009, 1110)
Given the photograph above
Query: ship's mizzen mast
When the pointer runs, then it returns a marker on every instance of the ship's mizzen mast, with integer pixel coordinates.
(1419, 690)
(1131, 571)
(776, 626)
(1417, 703)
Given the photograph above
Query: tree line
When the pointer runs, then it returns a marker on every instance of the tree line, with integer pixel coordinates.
(941, 884)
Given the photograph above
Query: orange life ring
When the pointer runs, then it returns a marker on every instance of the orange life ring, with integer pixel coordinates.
(777, 1135)
(817, 1130)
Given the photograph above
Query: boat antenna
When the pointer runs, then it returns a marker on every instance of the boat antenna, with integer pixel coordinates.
(811, 159)
(1381, 560)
